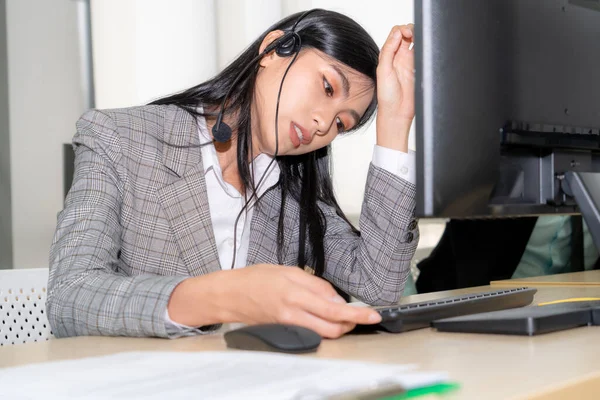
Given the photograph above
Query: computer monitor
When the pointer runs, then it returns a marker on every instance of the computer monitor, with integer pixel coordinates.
(508, 108)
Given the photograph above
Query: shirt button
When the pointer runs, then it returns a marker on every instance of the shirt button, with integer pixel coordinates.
(404, 170)
(229, 242)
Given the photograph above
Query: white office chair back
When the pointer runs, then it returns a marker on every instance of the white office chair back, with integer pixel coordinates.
(23, 306)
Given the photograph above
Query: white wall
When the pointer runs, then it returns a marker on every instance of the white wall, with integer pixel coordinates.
(240, 22)
(45, 100)
(145, 49)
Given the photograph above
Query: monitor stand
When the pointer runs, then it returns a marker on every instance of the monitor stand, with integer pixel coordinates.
(584, 187)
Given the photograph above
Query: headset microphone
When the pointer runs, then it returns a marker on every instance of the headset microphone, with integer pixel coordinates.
(221, 131)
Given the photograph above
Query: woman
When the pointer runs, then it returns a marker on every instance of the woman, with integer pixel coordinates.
(160, 218)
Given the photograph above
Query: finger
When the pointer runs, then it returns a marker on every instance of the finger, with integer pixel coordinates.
(326, 329)
(408, 30)
(333, 311)
(390, 47)
(407, 37)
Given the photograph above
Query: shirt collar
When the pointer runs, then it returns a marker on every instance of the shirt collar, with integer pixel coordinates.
(258, 166)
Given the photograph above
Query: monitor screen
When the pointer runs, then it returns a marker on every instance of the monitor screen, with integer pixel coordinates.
(507, 101)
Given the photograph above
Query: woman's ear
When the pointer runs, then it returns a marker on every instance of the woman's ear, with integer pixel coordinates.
(270, 38)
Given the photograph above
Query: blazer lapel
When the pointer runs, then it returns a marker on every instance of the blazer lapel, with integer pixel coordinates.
(185, 200)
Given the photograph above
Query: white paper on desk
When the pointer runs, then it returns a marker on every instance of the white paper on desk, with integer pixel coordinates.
(202, 375)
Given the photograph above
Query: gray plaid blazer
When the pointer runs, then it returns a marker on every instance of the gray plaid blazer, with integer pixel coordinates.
(136, 223)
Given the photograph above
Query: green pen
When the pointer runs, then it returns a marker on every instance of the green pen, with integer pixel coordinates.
(393, 391)
(438, 389)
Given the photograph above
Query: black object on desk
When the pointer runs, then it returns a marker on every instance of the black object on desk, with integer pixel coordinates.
(68, 167)
(528, 321)
(408, 317)
(274, 337)
(596, 316)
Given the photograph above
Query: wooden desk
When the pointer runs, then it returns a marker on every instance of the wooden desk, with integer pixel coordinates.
(551, 366)
(586, 278)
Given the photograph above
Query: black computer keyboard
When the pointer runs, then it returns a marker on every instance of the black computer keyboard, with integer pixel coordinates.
(408, 317)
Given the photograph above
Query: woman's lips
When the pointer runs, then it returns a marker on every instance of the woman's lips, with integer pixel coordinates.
(297, 141)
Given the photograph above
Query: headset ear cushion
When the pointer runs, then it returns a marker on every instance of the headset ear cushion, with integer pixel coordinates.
(288, 44)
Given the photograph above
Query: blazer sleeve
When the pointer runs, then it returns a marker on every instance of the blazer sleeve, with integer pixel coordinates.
(88, 294)
(373, 266)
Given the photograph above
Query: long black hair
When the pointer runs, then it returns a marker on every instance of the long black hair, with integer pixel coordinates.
(306, 178)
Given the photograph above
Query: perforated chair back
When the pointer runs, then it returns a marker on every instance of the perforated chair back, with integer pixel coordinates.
(23, 306)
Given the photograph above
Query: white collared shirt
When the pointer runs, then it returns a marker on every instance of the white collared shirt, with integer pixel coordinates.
(226, 202)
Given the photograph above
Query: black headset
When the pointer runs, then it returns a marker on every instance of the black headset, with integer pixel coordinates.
(285, 46)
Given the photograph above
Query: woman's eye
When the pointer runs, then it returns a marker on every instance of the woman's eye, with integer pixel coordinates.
(328, 88)
(340, 125)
